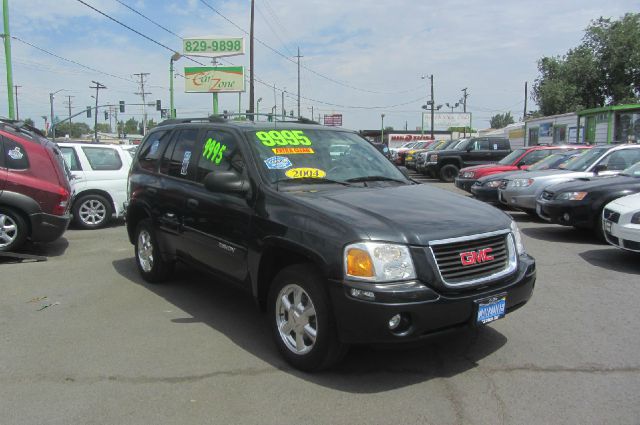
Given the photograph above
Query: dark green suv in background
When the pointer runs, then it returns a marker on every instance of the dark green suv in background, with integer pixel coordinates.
(308, 220)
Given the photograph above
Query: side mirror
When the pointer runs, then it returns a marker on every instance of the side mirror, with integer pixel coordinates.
(520, 164)
(225, 182)
(599, 168)
(470, 148)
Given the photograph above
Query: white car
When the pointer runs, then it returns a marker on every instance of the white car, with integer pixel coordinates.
(99, 181)
(621, 222)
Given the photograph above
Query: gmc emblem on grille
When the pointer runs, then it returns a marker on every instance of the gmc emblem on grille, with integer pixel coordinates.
(474, 257)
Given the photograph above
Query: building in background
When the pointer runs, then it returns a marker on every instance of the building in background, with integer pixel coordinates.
(514, 132)
(611, 124)
(553, 130)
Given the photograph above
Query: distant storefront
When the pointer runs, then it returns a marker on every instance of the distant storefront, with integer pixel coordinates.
(553, 130)
(611, 124)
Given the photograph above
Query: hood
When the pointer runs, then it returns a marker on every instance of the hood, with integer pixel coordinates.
(499, 176)
(486, 169)
(412, 214)
(629, 203)
(543, 173)
(597, 184)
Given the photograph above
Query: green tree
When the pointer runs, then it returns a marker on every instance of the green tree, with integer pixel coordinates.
(30, 122)
(501, 120)
(103, 128)
(602, 70)
(131, 126)
(76, 130)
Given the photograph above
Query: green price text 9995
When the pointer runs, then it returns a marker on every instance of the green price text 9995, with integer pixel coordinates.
(212, 45)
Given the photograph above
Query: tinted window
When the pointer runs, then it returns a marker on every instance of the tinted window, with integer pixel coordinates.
(218, 151)
(71, 158)
(178, 162)
(535, 156)
(102, 159)
(15, 156)
(152, 150)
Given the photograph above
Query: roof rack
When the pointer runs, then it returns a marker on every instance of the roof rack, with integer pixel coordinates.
(225, 119)
(20, 127)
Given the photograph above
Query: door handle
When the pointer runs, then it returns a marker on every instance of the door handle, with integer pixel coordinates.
(192, 203)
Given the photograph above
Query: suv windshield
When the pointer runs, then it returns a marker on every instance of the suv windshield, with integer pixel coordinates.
(508, 160)
(584, 161)
(317, 156)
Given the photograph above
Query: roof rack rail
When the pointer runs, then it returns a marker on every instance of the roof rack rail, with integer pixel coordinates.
(21, 127)
(226, 118)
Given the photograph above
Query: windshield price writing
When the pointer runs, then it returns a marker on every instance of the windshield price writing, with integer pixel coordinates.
(283, 138)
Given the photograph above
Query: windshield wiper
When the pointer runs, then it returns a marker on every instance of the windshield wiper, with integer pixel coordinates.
(312, 180)
(374, 179)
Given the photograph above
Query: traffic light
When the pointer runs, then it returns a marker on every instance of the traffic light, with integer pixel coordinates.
(122, 106)
(106, 115)
(163, 113)
(158, 105)
(291, 113)
(270, 117)
(225, 114)
(88, 111)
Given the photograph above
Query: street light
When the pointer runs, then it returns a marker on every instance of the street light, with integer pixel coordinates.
(258, 109)
(174, 58)
(382, 129)
(53, 129)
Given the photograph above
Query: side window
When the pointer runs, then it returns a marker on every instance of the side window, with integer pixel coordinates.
(71, 158)
(102, 159)
(15, 156)
(179, 162)
(619, 160)
(483, 145)
(152, 149)
(504, 145)
(535, 156)
(218, 151)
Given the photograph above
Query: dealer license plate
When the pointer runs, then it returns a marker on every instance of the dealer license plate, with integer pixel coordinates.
(490, 309)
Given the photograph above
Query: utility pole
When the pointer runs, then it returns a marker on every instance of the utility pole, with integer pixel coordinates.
(298, 56)
(69, 106)
(7, 55)
(17, 110)
(433, 106)
(142, 93)
(98, 87)
(524, 113)
(464, 107)
(284, 113)
(251, 91)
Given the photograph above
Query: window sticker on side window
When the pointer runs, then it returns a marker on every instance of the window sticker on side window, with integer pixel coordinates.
(278, 163)
(15, 153)
(495, 146)
(185, 163)
(154, 147)
(213, 150)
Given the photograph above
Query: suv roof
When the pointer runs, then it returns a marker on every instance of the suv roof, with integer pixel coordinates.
(302, 123)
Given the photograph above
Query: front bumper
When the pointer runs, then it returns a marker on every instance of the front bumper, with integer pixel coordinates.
(566, 213)
(464, 184)
(47, 227)
(517, 200)
(485, 194)
(624, 236)
(429, 311)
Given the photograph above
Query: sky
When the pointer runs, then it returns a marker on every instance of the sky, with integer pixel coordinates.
(360, 58)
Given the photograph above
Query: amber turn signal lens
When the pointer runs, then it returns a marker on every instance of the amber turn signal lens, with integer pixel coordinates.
(359, 263)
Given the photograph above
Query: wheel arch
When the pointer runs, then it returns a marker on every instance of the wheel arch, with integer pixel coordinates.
(100, 192)
(136, 212)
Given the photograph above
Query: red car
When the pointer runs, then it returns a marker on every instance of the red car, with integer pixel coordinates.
(518, 159)
(34, 187)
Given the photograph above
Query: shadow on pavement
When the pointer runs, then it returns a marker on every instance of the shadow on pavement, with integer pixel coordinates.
(56, 248)
(364, 369)
(613, 259)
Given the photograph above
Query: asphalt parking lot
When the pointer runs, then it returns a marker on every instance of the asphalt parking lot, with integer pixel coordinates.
(84, 340)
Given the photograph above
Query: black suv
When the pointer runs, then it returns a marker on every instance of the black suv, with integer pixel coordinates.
(318, 238)
(445, 164)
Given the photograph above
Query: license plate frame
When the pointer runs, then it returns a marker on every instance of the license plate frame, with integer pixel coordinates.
(490, 309)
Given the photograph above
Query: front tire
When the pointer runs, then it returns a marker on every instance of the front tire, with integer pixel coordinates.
(152, 267)
(302, 320)
(13, 230)
(448, 173)
(92, 212)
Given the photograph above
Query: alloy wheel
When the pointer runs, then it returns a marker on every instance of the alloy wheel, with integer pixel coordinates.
(8, 230)
(145, 251)
(92, 212)
(296, 319)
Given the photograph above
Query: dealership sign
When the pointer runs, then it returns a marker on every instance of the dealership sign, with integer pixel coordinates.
(214, 79)
(443, 121)
(333, 120)
(212, 46)
(397, 140)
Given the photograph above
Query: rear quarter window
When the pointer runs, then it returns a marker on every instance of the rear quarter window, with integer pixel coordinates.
(152, 149)
(71, 158)
(102, 159)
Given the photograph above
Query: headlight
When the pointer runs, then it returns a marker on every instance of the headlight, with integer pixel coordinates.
(433, 158)
(571, 196)
(378, 262)
(522, 182)
(518, 238)
(494, 183)
(468, 175)
(635, 219)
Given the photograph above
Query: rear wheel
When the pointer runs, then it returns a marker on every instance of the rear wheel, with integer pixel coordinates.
(152, 267)
(448, 173)
(301, 319)
(13, 230)
(92, 211)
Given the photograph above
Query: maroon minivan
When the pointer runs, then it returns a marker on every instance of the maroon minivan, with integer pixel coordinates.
(34, 187)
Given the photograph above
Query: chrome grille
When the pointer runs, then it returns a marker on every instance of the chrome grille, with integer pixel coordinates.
(449, 258)
(611, 215)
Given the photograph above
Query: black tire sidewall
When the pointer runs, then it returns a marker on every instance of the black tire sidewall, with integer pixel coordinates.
(76, 211)
(444, 173)
(321, 355)
(22, 230)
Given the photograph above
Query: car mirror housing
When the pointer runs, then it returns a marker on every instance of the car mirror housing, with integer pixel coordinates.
(520, 164)
(599, 168)
(226, 182)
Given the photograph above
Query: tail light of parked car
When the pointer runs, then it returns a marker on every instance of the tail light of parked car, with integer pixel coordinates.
(62, 204)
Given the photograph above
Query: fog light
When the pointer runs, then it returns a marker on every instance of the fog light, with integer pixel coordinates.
(394, 322)
(363, 295)
(566, 216)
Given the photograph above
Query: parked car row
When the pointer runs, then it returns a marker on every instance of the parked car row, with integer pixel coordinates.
(569, 185)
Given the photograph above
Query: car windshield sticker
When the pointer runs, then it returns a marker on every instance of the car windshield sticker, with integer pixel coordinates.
(278, 163)
(154, 147)
(291, 151)
(283, 138)
(185, 163)
(213, 150)
(15, 153)
(303, 173)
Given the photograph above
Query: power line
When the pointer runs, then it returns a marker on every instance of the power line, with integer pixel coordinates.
(147, 18)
